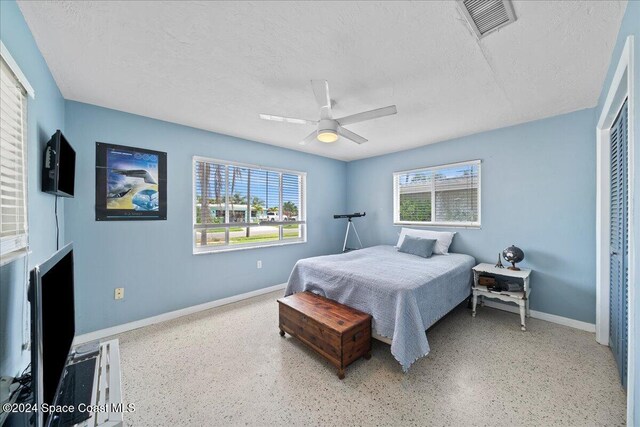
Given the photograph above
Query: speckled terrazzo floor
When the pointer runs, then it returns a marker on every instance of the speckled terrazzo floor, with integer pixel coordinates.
(229, 366)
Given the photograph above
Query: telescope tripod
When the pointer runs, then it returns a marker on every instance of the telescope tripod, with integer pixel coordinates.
(346, 237)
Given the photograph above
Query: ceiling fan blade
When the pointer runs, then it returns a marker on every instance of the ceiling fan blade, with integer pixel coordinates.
(321, 91)
(350, 135)
(368, 115)
(287, 119)
(309, 138)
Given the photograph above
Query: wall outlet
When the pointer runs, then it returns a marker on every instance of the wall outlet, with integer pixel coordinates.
(119, 293)
(259, 264)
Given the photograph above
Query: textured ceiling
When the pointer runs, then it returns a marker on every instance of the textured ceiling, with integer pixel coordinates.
(217, 65)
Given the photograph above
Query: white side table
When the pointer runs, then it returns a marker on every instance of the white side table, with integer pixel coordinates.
(520, 298)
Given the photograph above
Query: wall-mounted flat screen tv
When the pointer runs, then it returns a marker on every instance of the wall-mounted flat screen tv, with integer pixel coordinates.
(59, 167)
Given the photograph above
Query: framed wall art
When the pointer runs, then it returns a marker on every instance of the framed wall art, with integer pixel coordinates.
(131, 183)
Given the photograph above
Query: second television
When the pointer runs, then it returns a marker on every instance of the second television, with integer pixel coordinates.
(59, 167)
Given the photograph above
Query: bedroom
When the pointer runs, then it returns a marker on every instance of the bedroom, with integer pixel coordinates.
(517, 124)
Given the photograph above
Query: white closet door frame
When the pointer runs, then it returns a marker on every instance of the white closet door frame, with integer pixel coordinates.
(621, 89)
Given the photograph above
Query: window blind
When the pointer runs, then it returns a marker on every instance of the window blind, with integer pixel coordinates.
(238, 206)
(13, 177)
(442, 195)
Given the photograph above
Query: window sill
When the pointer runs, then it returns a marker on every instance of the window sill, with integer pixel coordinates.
(210, 250)
(437, 224)
(13, 256)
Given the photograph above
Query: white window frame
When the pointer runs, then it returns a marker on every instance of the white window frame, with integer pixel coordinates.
(458, 224)
(12, 247)
(4, 52)
(302, 210)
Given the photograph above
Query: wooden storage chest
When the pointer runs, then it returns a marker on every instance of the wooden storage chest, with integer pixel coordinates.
(339, 333)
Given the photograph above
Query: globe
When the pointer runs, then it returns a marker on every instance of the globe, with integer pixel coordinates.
(513, 254)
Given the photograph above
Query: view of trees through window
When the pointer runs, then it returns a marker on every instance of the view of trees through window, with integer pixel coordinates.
(238, 205)
(447, 194)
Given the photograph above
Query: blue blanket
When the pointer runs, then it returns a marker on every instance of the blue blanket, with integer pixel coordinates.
(404, 293)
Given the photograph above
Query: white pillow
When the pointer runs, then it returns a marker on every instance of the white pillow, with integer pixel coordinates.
(443, 238)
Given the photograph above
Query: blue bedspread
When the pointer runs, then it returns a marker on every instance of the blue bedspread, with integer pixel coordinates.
(404, 293)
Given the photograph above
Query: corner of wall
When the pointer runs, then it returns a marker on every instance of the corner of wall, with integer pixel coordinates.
(45, 114)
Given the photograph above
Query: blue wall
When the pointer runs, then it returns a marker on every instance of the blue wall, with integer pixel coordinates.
(630, 26)
(538, 192)
(153, 260)
(45, 114)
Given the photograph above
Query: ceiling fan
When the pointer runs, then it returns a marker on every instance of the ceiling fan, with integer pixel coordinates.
(328, 127)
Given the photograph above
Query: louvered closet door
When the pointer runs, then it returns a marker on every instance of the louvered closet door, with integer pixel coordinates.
(619, 271)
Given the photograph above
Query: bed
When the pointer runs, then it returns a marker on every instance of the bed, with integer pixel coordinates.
(404, 293)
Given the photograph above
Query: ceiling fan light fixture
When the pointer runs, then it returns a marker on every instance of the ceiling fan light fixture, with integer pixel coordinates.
(327, 136)
(327, 131)
(329, 128)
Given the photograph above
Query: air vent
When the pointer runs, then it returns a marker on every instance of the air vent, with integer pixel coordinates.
(486, 16)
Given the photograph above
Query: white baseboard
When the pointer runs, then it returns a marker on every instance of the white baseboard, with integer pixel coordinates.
(114, 330)
(572, 323)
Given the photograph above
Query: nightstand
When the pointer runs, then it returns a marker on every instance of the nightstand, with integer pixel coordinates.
(521, 298)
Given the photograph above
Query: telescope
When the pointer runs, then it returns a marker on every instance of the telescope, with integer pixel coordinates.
(349, 226)
(353, 215)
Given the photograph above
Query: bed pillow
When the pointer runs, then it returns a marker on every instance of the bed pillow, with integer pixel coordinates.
(417, 246)
(443, 238)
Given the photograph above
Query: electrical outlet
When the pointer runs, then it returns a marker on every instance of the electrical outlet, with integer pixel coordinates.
(119, 293)
(259, 264)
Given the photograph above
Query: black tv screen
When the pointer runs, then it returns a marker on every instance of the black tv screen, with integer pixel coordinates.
(59, 167)
(52, 322)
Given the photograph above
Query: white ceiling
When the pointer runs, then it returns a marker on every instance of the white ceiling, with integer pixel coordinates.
(217, 65)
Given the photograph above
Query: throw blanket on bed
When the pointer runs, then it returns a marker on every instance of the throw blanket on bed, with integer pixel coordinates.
(404, 293)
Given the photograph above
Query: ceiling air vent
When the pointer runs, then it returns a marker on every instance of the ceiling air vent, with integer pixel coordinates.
(485, 16)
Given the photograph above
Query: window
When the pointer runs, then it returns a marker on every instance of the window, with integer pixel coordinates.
(447, 195)
(239, 206)
(13, 174)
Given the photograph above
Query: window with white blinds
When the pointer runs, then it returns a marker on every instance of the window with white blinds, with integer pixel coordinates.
(238, 206)
(447, 195)
(13, 174)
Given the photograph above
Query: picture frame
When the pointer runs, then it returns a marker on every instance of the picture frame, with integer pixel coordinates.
(131, 183)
